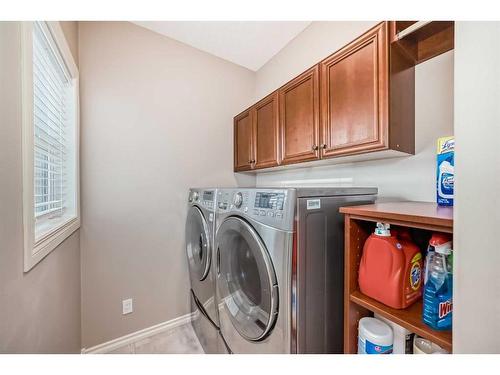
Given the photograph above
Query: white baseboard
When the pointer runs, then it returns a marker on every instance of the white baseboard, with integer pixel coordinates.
(138, 335)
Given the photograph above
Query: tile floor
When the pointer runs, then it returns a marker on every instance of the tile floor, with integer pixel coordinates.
(178, 340)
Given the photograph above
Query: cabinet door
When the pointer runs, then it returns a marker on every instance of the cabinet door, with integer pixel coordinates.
(354, 96)
(243, 141)
(266, 132)
(299, 117)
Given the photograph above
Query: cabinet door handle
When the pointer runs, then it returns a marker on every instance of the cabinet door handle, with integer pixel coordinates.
(323, 146)
(252, 161)
(315, 147)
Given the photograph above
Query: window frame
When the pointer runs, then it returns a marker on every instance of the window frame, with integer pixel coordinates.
(36, 250)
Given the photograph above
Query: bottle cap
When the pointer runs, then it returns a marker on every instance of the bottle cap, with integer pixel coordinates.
(439, 239)
(382, 230)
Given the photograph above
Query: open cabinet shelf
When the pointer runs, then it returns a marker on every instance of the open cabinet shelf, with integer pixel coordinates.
(359, 224)
(409, 318)
(423, 40)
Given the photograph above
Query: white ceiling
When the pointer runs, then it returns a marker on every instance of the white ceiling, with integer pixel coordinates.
(247, 43)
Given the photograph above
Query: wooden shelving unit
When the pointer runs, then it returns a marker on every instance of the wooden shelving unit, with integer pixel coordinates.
(423, 40)
(359, 223)
(410, 318)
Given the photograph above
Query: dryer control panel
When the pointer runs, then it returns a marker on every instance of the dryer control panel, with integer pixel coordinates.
(204, 198)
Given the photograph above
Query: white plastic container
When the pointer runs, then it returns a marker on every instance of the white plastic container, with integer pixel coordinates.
(424, 346)
(374, 337)
(403, 339)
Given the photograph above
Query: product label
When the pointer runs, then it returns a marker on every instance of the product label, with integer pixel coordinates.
(409, 343)
(416, 258)
(438, 305)
(445, 308)
(313, 204)
(416, 272)
(445, 170)
(445, 144)
(371, 348)
(447, 182)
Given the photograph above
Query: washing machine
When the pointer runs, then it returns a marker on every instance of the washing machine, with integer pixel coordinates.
(279, 268)
(253, 263)
(200, 232)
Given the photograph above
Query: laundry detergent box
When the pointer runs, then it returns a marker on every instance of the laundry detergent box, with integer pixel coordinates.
(445, 170)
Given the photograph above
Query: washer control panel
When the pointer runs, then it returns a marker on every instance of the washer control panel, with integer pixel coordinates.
(268, 206)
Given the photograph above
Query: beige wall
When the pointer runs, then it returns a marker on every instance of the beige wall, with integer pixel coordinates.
(156, 119)
(70, 30)
(476, 301)
(39, 310)
(313, 44)
(410, 177)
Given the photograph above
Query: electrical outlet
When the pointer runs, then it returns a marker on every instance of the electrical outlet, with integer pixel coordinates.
(127, 306)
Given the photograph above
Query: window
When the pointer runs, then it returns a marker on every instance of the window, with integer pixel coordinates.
(50, 140)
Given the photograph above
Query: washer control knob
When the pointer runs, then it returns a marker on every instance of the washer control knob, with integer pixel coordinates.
(195, 196)
(238, 200)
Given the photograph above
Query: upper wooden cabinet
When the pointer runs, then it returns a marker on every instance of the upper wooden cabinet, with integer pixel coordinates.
(299, 118)
(360, 99)
(266, 132)
(243, 139)
(355, 96)
(256, 136)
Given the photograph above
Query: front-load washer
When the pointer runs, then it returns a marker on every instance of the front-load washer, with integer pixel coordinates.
(253, 255)
(200, 231)
(279, 267)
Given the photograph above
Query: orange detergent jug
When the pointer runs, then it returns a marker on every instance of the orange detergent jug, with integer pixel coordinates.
(391, 268)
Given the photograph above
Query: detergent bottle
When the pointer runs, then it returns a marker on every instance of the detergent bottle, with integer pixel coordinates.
(390, 270)
(438, 289)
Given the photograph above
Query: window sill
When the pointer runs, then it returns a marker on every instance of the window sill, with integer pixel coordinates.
(46, 227)
(49, 242)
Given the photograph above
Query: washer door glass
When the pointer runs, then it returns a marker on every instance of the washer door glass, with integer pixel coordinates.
(197, 243)
(246, 279)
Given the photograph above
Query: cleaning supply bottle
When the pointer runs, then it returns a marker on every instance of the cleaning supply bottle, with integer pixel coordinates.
(390, 270)
(445, 170)
(437, 239)
(374, 337)
(438, 290)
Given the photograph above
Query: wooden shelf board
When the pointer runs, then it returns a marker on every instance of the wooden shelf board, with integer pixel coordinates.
(410, 318)
(428, 30)
(425, 215)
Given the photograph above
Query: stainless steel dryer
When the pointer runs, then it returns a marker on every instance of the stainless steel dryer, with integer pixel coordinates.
(279, 266)
(200, 231)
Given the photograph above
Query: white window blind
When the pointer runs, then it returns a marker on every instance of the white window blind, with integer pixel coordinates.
(50, 131)
(52, 120)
